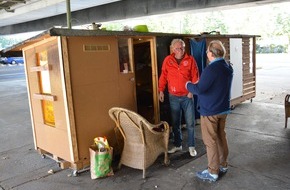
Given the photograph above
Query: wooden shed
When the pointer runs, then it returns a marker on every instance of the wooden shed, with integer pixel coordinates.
(75, 76)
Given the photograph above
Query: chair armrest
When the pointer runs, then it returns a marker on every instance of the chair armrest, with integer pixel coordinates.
(160, 127)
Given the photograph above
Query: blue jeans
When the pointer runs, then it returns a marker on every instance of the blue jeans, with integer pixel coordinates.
(177, 105)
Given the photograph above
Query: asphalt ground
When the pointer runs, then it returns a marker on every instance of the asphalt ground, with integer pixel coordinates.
(258, 142)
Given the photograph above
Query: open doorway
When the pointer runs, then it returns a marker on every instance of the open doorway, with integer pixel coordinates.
(144, 79)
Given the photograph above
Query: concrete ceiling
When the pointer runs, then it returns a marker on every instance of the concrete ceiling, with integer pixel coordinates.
(20, 11)
(19, 16)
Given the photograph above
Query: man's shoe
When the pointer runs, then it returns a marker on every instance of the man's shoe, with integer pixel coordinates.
(223, 170)
(175, 149)
(192, 151)
(206, 176)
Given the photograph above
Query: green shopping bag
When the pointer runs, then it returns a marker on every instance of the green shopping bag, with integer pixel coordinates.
(101, 162)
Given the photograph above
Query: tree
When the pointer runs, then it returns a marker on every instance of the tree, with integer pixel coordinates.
(283, 25)
(6, 42)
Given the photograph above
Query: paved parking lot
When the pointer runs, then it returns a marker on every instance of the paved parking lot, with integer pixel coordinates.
(258, 142)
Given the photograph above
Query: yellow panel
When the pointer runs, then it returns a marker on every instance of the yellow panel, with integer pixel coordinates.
(48, 113)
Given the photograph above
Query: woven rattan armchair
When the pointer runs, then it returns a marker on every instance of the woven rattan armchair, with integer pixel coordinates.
(143, 141)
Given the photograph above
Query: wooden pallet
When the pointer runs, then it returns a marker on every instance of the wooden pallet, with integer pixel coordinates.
(63, 164)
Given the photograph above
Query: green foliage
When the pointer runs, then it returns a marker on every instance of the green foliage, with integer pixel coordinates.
(272, 48)
(115, 27)
(6, 42)
(215, 22)
(282, 24)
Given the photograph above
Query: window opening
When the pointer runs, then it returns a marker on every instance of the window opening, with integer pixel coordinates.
(124, 58)
(45, 88)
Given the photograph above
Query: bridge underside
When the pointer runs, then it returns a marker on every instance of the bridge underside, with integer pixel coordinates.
(125, 9)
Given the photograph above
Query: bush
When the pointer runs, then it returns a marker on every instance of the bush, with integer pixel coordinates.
(272, 48)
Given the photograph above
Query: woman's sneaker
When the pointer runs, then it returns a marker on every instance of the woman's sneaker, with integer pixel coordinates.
(175, 149)
(206, 176)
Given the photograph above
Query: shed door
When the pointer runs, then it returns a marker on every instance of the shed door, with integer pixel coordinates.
(138, 76)
(127, 87)
(47, 98)
(236, 53)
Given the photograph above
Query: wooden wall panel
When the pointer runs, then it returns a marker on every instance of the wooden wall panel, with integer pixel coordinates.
(94, 76)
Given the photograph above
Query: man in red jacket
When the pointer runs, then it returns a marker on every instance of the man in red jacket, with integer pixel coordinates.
(177, 69)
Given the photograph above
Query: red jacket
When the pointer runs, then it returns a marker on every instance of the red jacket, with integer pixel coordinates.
(177, 75)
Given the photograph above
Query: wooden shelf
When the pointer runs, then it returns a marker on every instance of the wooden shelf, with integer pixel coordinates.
(39, 68)
(44, 97)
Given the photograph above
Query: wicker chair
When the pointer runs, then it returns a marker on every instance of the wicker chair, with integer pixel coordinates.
(143, 141)
(287, 108)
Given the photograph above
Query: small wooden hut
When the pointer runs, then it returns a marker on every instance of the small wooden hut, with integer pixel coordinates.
(75, 76)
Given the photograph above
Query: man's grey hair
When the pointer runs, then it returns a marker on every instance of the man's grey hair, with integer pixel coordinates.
(174, 41)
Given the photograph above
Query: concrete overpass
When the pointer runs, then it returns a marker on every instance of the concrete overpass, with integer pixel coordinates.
(18, 16)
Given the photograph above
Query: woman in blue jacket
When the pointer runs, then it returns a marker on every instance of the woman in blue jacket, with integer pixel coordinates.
(213, 90)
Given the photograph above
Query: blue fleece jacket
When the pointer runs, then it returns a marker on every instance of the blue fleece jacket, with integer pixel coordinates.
(213, 88)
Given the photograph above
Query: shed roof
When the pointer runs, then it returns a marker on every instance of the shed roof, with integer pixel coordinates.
(81, 32)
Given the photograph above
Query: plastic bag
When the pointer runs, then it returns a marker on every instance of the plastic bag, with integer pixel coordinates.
(102, 143)
(101, 156)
